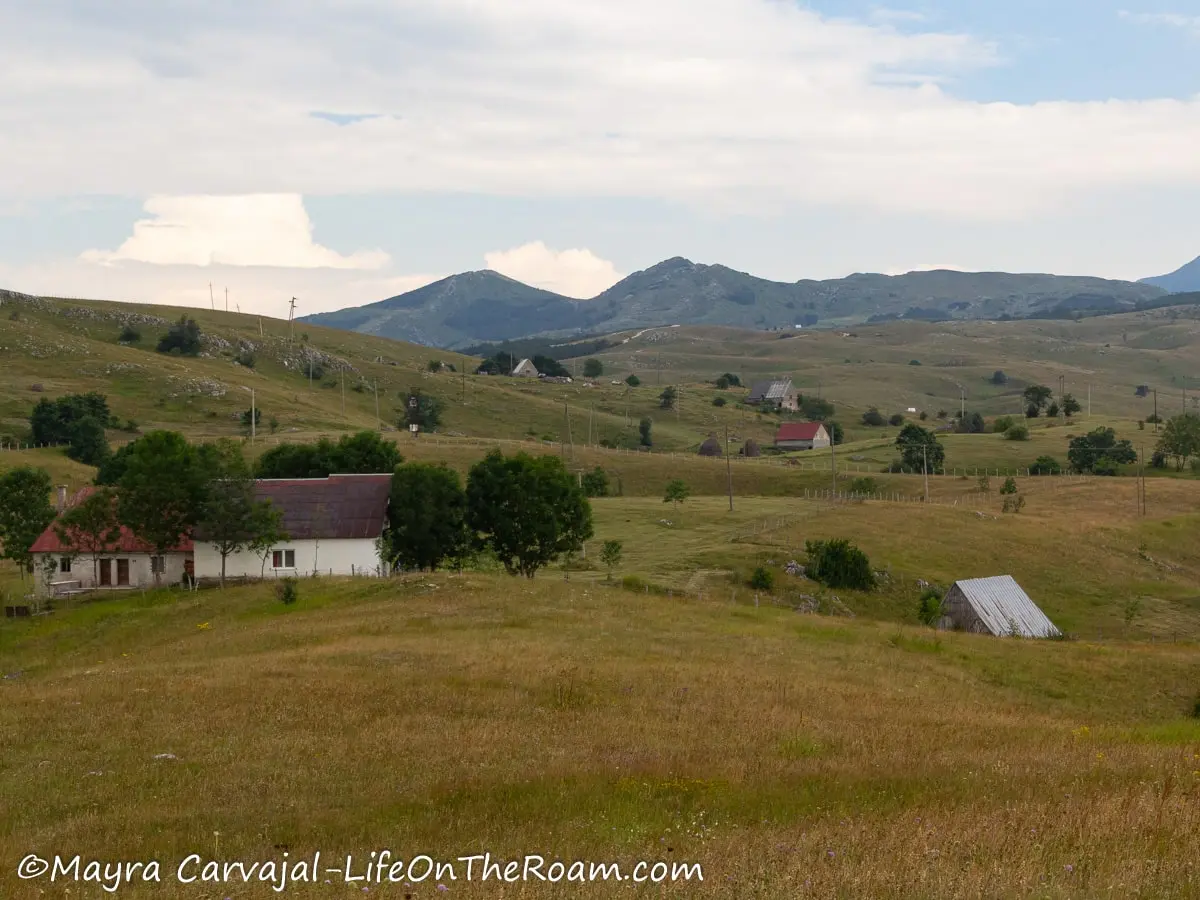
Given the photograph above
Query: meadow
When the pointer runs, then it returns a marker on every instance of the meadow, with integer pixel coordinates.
(790, 755)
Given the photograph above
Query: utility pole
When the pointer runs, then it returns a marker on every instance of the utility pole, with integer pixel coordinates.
(962, 414)
(226, 299)
(1156, 410)
(591, 416)
(292, 321)
(211, 301)
(925, 468)
(343, 371)
(310, 367)
(253, 416)
(1089, 401)
(728, 469)
(570, 441)
(378, 420)
(833, 464)
(464, 383)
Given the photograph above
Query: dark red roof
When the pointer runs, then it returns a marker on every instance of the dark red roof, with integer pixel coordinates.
(128, 542)
(798, 431)
(333, 508)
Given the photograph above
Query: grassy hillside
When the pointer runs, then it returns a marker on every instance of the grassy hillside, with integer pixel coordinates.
(789, 755)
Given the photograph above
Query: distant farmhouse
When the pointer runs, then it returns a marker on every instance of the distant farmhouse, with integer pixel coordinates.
(778, 394)
(525, 369)
(334, 525)
(127, 563)
(801, 436)
(995, 606)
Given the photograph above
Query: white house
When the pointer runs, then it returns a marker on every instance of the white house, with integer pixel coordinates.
(333, 525)
(125, 563)
(525, 369)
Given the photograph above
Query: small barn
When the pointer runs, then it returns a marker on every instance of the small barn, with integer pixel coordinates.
(776, 394)
(751, 449)
(711, 447)
(801, 436)
(525, 369)
(996, 606)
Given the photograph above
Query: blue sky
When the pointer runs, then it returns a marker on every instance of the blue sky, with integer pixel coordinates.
(342, 154)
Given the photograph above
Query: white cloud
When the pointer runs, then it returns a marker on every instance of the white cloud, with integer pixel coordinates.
(1171, 20)
(728, 104)
(573, 273)
(248, 230)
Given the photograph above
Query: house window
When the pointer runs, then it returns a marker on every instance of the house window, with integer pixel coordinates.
(158, 565)
(64, 565)
(283, 559)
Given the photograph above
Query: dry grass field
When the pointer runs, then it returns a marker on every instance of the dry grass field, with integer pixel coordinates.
(789, 755)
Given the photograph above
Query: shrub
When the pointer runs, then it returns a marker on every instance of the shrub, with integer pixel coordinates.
(1017, 433)
(864, 484)
(610, 556)
(914, 362)
(1196, 708)
(593, 368)
(838, 564)
(873, 417)
(1045, 465)
(1002, 424)
(1009, 486)
(595, 483)
(633, 381)
(929, 607)
(718, 401)
(129, 335)
(763, 579)
(245, 357)
(896, 420)
(183, 338)
(287, 591)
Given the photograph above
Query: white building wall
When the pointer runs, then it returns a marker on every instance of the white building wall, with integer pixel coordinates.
(83, 571)
(325, 557)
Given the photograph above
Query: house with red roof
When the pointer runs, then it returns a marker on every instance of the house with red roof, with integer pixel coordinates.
(801, 436)
(127, 562)
(333, 524)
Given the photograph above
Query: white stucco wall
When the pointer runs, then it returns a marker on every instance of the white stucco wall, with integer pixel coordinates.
(88, 575)
(337, 557)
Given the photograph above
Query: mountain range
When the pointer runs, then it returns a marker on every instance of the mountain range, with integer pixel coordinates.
(1185, 278)
(485, 306)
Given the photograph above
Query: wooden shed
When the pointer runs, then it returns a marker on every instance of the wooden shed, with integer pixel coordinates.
(711, 447)
(751, 448)
(995, 606)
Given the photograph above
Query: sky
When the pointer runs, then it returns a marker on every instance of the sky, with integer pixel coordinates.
(343, 151)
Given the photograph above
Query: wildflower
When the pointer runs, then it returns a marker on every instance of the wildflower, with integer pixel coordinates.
(442, 887)
(1068, 868)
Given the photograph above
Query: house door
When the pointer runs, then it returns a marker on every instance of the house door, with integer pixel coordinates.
(105, 572)
(122, 572)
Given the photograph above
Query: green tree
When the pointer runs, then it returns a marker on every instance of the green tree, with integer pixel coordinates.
(762, 579)
(162, 489)
(547, 365)
(25, 512)
(971, 423)
(668, 398)
(1052, 410)
(1070, 405)
(267, 533)
(423, 410)
(633, 381)
(1009, 486)
(920, 449)
(837, 434)
(1099, 452)
(87, 442)
(1036, 397)
(227, 516)
(999, 378)
(91, 527)
(54, 421)
(426, 517)
(838, 564)
(182, 338)
(593, 368)
(1017, 433)
(595, 483)
(929, 607)
(677, 491)
(644, 427)
(728, 380)
(527, 510)
(1180, 438)
(896, 420)
(363, 453)
(247, 415)
(815, 409)
(610, 556)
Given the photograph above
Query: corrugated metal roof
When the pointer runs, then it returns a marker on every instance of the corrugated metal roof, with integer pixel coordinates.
(769, 390)
(337, 507)
(127, 542)
(798, 431)
(1004, 607)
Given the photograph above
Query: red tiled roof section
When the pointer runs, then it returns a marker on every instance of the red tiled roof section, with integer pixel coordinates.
(128, 542)
(798, 431)
(340, 507)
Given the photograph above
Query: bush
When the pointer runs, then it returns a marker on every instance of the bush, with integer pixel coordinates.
(1009, 486)
(763, 579)
(129, 335)
(593, 368)
(1002, 424)
(839, 564)
(595, 483)
(245, 357)
(718, 401)
(1017, 433)
(1045, 465)
(929, 607)
(896, 420)
(873, 418)
(914, 362)
(1196, 708)
(864, 485)
(182, 339)
(287, 591)
(633, 381)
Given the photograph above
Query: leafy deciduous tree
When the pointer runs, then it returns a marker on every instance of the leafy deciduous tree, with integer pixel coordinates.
(91, 527)
(426, 517)
(25, 512)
